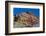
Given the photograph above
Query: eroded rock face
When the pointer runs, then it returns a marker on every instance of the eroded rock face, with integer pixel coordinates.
(27, 19)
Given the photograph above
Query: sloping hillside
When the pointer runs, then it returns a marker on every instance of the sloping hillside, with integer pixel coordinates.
(26, 19)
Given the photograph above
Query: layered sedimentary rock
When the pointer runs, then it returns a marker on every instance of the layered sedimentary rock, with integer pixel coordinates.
(27, 19)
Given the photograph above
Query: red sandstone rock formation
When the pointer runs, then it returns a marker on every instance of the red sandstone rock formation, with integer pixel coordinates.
(28, 19)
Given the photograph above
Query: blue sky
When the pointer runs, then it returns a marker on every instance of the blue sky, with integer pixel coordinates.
(20, 10)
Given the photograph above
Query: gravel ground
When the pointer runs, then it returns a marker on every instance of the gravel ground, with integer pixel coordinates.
(18, 25)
